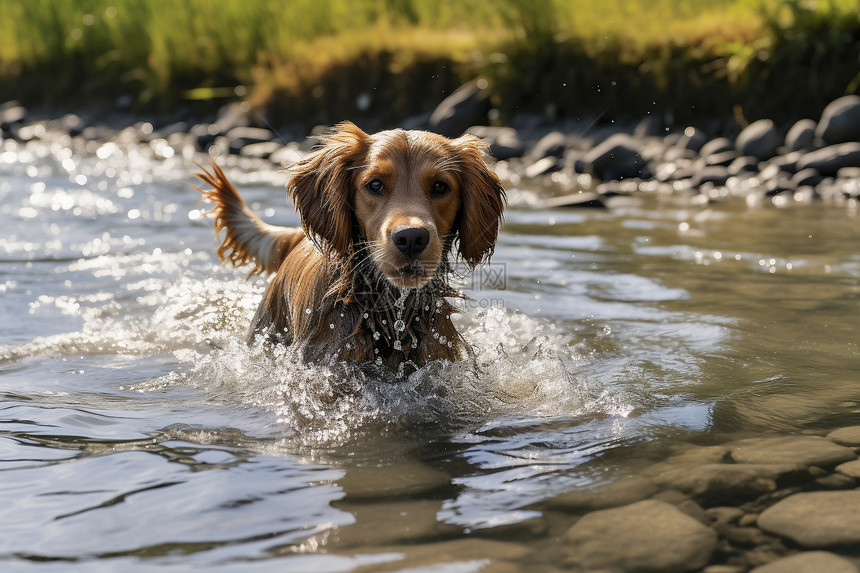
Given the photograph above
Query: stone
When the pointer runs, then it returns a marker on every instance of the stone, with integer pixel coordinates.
(553, 144)
(829, 160)
(712, 174)
(804, 450)
(588, 200)
(468, 105)
(722, 514)
(721, 483)
(723, 159)
(851, 469)
(809, 562)
(718, 145)
(760, 139)
(260, 150)
(840, 121)
(816, 519)
(801, 135)
(849, 436)
(287, 155)
(619, 492)
(743, 165)
(645, 536)
(504, 142)
(542, 166)
(11, 113)
(616, 158)
(809, 177)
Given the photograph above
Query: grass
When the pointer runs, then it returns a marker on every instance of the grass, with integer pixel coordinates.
(309, 59)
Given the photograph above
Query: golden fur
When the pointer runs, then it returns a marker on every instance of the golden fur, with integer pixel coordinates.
(366, 277)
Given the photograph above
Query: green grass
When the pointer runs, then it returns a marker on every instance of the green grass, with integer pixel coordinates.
(310, 58)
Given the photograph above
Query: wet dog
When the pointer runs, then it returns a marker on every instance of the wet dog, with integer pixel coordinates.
(385, 218)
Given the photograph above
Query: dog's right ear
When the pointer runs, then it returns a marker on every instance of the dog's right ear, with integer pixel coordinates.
(320, 187)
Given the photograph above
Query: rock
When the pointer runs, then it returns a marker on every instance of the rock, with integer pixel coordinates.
(723, 514)
(849, 436)
(851, 469)
(620, 492)
(787, 163)
(840, 121)
(231, 116)
(616, 158)
(287, 155)
(803, 450)
(831, 159)
(712, 174)
(504, 142)
(759, 139)
(583, 200)
(809, 177)
(721, 483)
(11, 113)
(718, 145)
(801, 135)
(723, 159)
(645, 536)
(260, 150)
(809, 562)
(402, 479)
(835, 481)
(816, 519)
(553, 144)
(692, 139)
(649, 126)
(542, 167)
(466, 106)
(743, 165)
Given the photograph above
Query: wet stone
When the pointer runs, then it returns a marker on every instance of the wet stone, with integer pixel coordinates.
(620, 492)
(840, 121)
(851, 469)
(616, 158)
(759, 139)
(645, 536)
(468, 105)
(809, 562)
(553, 144)
(829, 160)
(724, 514)
(816, 519)
(849, 436)
(801, 135)
(804, 450)
(743, 165)
(721, 483)
(401, 480)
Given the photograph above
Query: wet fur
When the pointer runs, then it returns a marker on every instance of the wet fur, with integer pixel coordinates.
(339, 264)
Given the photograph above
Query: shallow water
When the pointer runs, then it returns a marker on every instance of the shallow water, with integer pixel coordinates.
(138, 430)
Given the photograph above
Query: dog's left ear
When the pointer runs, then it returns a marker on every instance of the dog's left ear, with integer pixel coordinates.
(320, 187)
(482, 200)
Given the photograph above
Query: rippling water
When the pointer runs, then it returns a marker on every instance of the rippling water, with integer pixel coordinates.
(138, 430)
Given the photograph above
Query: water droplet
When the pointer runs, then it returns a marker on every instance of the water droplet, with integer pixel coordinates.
(376, 335)
(414, 344)
(426, 307)
(376, 351)
(348, 345)
(365, 315)
(399, 326)
(307, 311)
(443, 339)
(384, 321)
(331, 325)
(398, 345)
(450, 344)
(379, 360)
(438, 303)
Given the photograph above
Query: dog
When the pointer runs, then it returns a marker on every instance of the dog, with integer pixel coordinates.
(385, 218)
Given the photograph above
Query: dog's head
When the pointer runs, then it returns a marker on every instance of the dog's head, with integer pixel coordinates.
(405, 194)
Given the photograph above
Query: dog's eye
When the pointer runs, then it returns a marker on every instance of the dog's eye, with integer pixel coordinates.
(439, 189)
(375, 186)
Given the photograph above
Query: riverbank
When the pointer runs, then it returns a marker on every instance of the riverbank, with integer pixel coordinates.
(321, 62)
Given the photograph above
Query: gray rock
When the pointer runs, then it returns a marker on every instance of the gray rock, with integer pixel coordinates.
(831, 159)
(802, 450)
(801, 135)
(848, 436)
(466, 106)
(620, 492)
(722, 159)
(840, 121)
(816, 519)
(713, 174)
(553, 144)
(616, 158)
(11, 113)
(788, 162)
(287, 155)
(504, 142)
(645, 536)
(721, 483)
(759, 139)
(649, 126)
(809, 562)
(851, 469)
(230, 116)
(743, 165)
(260, 150)
(542, 166)
(807, 177)
(692, 139)
(587, 200)
(718, 145)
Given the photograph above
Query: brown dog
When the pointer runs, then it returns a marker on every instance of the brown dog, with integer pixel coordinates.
(365, 278)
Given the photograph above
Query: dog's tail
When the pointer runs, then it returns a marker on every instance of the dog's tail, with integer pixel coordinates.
(248, 239)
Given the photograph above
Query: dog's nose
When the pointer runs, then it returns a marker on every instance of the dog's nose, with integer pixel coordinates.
(410, 240)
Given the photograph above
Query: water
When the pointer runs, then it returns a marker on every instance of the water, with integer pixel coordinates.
(139, 431)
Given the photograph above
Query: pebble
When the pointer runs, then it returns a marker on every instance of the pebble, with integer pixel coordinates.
(759, 139)
(801, 135)
(619, 492)
(803, 450)
(616, 158)
(816, 519)
(840, 121)
(720, 482)
(829, 160)
(849, 436)
(645, 536)
(851, 469)
(809, 562)
(468, 105)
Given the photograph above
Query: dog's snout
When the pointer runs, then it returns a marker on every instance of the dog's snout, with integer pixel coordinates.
(411, 240)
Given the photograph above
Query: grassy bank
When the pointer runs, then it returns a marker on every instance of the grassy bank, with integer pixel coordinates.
(312, 59)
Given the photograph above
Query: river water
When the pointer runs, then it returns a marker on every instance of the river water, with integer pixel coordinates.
(139, 431)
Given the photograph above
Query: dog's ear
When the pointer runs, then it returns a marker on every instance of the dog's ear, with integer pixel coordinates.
(320, 187)
(482, 202)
